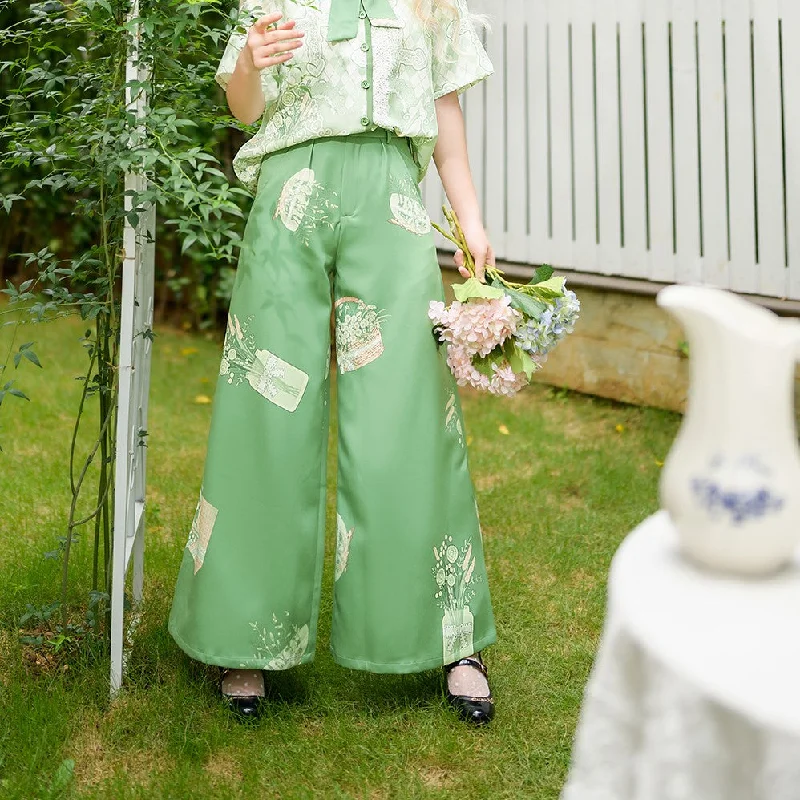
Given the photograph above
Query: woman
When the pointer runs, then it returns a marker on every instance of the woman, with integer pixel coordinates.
(352, 94)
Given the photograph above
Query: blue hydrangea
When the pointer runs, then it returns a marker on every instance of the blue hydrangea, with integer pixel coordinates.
(539, 337)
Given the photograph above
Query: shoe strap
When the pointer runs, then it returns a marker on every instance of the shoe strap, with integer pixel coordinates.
(468, 662)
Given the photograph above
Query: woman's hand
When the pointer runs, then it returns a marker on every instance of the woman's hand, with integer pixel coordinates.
(270, 44)
(480, 248)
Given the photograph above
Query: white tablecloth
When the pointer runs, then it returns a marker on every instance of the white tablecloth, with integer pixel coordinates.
(695, 691)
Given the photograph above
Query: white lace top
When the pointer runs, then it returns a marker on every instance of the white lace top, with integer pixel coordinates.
(387, 76)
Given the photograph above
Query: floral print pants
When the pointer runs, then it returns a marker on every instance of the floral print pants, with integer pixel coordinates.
(337, 226)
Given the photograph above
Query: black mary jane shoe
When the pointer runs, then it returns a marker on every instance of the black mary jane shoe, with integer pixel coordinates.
(477, 710)
(244, 707)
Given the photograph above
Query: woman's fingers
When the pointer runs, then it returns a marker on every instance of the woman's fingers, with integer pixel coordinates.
(266, 33)
(283, 35)
(262, 23)
(276, 48)
(272, 61)
(271, 46)
(279, 39)
(270, 56)
(459, 259)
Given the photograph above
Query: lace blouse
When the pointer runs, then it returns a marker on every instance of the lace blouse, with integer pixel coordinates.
(387, 75)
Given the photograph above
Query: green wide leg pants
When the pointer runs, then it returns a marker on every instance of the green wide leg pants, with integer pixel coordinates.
(337, 223)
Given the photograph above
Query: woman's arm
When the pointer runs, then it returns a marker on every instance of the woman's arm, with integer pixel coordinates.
(266, 46)
(452, 162)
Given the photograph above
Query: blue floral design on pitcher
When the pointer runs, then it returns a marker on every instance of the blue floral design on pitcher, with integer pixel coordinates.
(742, 506)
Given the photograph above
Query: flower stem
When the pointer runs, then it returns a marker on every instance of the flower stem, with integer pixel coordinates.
(456, 236)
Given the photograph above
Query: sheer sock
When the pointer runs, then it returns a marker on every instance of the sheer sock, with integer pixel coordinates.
(467, 682)
(243, 683)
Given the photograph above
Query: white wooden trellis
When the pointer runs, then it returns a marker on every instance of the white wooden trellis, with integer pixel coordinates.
(653, 139)
(134, 384)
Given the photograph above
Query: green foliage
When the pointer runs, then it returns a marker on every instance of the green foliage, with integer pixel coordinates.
(75, 126)
(541, 274)
(525, 303)
(67, 137)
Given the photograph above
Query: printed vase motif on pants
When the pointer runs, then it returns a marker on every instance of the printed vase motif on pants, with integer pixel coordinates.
(455, 577)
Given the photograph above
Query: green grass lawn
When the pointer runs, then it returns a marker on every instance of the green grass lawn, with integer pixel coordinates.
(560, 479)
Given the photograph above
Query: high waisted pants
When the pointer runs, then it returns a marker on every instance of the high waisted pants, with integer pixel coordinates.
(337, 223)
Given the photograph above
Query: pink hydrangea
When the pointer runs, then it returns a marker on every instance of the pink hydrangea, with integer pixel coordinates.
(472, 330)
(504, 381)
(477, 326)
(460, 363)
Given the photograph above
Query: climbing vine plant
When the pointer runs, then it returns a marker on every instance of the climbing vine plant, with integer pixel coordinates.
(65, 129)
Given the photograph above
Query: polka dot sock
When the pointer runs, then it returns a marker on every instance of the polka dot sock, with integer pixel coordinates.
(467, 682)
(243, 683)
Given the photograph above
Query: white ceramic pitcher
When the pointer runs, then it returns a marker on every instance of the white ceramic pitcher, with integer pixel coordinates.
(731, 483)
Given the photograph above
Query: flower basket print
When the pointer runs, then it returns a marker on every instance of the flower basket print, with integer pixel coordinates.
(358, 333)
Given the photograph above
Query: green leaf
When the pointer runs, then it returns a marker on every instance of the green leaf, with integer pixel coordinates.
(484, 363)
(66, 769)
(515, 360)
(541, 274)
(529, 366)
(551, 288)
(25, 352)
(518, 359)
(32, 357)
(473, 288)
(18, 393)
(526, 304)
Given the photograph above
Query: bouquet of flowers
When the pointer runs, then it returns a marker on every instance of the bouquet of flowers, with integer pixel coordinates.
(499, 333)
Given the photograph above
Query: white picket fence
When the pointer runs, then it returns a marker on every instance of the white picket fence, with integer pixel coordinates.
(654, 139)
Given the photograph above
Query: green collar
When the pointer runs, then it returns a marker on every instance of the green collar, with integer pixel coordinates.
(344, 15)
